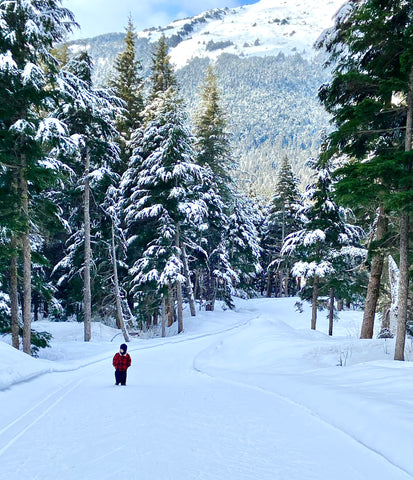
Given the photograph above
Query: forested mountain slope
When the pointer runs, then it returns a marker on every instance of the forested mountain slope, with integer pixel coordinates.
(268, 71)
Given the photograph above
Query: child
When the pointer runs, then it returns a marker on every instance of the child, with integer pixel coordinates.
(121, 362)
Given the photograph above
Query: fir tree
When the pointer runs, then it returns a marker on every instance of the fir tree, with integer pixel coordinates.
(282, 220)
(244, 245)
(29, 90)
(158, 203)
(127, 84)
(212, 138)
(89, 113)
(371, 99)
(213, 153)
(327, 245)
(162, 72)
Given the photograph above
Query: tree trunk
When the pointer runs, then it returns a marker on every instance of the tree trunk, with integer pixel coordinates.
(27, 261)
(286, 278)
(170, 306)
(119, 315)
(404, 241)
(14, 296)
(191, 298)
(14, 302)
(87, 294)
(403, 287)
(394, 281)
(179, 307)
(179, 299)
(163, 320)
(373, 289)
(269, 285)
(209, 291)
(315, 304)
(331, 312)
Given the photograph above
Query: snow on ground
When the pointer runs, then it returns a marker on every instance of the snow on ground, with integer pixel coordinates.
(245, 394)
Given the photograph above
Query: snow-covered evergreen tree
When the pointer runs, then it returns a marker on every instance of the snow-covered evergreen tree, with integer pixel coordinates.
(90, 114)
(282, 219)
(28, 91)
(159, 202)
(211, 135)
(127, 84)
(216, 277)
(370, 97)
(327, 247)
(162, 71)
(244, 245)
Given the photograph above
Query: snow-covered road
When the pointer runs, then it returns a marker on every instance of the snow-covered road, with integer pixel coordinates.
(176, 419)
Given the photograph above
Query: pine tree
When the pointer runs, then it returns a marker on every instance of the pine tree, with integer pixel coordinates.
(127, 84)
(212, 145)
(89, 113)
(111, 209)
(327, 245)
(212, 137)
(282, 220)
(28, 74)
(162, 72)
(244, 245)
(159, 203)
(371, 99)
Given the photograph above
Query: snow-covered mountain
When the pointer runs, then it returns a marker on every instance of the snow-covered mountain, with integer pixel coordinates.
(266, 28)
(268, 71)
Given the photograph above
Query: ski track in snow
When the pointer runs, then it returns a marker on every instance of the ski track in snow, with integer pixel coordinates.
(67, 388)
(293, 403)
(37, 417)
(176, 420)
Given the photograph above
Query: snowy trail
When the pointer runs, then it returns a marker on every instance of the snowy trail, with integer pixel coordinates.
(307, 410)
(171, 422)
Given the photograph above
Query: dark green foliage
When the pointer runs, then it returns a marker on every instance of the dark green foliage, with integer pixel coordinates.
(40, 340)
(327, 249)
(366, 98)
(127, 84)
(213, 154)
(162, 72)
(90, 114)
(282, 219)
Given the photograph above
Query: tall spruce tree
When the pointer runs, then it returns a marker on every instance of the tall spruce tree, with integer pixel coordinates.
(90, 114)
(212, 143)
(212, 137)
(371, 100)
(158, 199)
(327, 245)
(127, 84)
(244, 245)
(29, 90)
(282, 219)
(159, 203)
(162, 72)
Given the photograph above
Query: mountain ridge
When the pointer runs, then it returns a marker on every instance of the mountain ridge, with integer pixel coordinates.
(268, 75)
(265, 28)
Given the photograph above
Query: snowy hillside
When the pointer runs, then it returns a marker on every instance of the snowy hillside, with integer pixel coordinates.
(246, 394)
(268, 27)
(268, 72)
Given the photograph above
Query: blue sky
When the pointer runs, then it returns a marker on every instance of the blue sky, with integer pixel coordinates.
(103, 16)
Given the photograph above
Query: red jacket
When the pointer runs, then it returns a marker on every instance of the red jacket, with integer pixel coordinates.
(122, 362)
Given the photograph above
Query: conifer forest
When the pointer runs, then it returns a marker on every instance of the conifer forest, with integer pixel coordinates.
(118, 206)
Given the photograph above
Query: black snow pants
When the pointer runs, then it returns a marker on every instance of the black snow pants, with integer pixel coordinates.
(120, 377)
